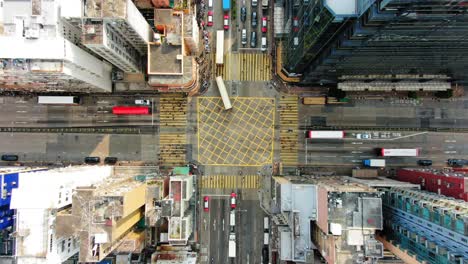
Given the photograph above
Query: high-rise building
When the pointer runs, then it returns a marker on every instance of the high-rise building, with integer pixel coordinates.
(432, 227)
(113, 29)
(375, 44)
(104, 216)
(40, 198)
(449, 183)
(39, 51)
(331, 216)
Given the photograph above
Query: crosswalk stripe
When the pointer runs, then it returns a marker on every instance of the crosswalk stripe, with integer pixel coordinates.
(289, 130)
(230, 182)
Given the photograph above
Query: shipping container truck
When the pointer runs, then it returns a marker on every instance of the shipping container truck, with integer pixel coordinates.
(364, 173)
(374, 163)
(413, 152)
(226, 5)
(232, 245)
(314, 100)
(219, 47)
(232, 219)
(58, 100)
(323, 134)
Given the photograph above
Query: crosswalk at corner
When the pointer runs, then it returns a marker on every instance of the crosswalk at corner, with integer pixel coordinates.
(244, 67)
(231, 182)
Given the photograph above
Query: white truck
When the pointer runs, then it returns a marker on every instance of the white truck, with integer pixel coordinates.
(374, 162)
(232, 245)
(266, 238)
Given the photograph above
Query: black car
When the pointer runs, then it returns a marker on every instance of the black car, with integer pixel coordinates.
(110, 160)
(92, 160)
(425, 162)
(253, 39)
(457, 162)
(254, 19)
(243, 14)
(9, 157)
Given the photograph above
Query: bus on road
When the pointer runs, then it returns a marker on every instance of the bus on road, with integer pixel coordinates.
(414, 152)
(58, 100)
(219, 46)
(223, 93)
(131, 110)
(323, 134)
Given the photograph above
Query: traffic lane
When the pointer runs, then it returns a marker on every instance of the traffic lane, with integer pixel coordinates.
(218, 233)
(30, 113)
(436, 146)
(251, 232)
(73, 148)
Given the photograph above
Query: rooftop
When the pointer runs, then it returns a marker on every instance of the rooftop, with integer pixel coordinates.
(446, 173)
(166, 57)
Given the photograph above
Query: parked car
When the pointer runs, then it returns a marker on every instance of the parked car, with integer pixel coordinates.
(244, 36)
(363, 136)
(226, 22)
(254, 19)
(253, 39)
(243, 13)
(233, 200)
(263, 46)
(9, 157)
(254, 3)
(110, 160)
(264, 24)
(457, 162)
(425, 162)
(206, 203)
(142, 102)
(295, 24)
(210, 18)
(92, 160)
(210, 3)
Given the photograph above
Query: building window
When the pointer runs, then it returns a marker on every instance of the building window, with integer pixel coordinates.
(63, 245)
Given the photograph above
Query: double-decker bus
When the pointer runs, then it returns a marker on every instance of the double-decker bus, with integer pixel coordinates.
(131, 110)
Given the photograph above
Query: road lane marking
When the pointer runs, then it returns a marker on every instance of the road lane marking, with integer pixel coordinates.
(21, 111)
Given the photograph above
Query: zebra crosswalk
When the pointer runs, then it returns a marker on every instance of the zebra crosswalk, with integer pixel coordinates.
(244, 67)
(289, 129)
(230, 182)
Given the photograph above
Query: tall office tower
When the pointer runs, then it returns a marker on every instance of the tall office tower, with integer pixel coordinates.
(432, 227)
(113, 29)
(40, 52)
(376, 45)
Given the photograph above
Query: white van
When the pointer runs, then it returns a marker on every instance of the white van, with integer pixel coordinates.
(263, 47)
(244, 36)
(210, 3)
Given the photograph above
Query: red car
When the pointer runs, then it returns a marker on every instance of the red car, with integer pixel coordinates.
(206, 203)
(226, 22)
(233, 200)
(264, 24)
(296, 24)
(210, 18)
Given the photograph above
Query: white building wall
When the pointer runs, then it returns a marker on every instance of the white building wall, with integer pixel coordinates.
(38, 194)
(138, 22)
